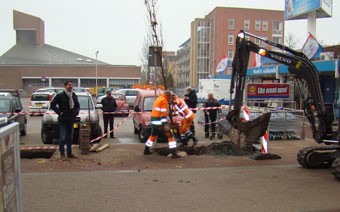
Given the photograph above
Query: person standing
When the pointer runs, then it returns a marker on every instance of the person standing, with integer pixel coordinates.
(66, 105)
(182, 109)
(210, 114)
(190, 99)
(159, 123)
(109, 106)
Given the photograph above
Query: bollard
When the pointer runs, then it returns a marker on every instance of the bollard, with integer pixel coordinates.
(84, 139)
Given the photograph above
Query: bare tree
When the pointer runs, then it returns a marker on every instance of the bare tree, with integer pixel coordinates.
(291, 41)
(156, 35)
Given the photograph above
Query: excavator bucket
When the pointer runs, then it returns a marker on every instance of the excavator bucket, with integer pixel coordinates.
(253, 129)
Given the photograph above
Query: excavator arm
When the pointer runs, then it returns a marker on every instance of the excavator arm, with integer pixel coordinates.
(299, 66)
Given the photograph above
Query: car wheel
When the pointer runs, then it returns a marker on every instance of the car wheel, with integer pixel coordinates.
(44, 137)
(98, 133)
(135, 130)
(23, 132)
(141, 136)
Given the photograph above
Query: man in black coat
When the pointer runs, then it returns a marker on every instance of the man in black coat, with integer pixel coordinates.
(190, 99)
(109, 105)
(210, 114)
(66, 105)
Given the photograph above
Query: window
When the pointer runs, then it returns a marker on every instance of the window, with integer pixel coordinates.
(231, 39)
(277, 27)
(246, 24)
(265, 25)
(230, 54)
(231, 23)
(257, 41)
(257, 25)
(277, 40)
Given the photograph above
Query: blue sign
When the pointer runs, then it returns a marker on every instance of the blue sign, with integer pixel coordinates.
(296, 8)
(262, 70)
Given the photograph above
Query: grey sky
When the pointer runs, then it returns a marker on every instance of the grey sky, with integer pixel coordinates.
(117, 28)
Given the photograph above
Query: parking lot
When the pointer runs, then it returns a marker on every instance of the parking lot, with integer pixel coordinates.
(124, 134)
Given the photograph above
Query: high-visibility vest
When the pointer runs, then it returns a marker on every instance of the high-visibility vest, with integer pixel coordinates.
(181, 108)
(160, 110)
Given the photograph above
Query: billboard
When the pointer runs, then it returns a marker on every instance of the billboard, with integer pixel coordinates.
(262, 91)
(299, 9)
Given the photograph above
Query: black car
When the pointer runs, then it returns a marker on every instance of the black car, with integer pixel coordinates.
(11, 110)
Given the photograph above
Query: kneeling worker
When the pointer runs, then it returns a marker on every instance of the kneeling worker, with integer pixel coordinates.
(159, 122)
(182, 109)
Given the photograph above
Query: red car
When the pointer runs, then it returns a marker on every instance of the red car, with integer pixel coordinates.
(120, 98)
(141, 121)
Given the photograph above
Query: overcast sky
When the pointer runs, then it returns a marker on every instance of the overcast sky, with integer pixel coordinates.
(117, 28)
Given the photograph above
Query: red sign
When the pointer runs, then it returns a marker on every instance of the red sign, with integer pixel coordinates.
(268, 91)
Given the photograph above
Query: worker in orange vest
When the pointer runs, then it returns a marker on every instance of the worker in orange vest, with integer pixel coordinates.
(181, 108)
(159, 122)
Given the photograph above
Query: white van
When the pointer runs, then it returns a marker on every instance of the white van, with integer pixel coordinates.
(40, 102)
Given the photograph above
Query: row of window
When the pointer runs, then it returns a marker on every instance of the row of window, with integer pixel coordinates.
(277, 25)
(257, 41)
(83, 82)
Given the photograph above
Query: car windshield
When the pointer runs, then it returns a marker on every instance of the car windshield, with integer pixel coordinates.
(5, 105)
(84, 102)
(40, 97)
(118, 97)
(79, 89)
(148, 103)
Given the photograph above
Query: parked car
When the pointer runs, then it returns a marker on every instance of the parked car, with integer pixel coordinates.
(40, 102)
(141, 121)
(130, 95)
(5, 94)
(82, 90)
(11, 110)
(102, 91)
(50, 126)
(13, 92)
(122, 106)
(50, 90)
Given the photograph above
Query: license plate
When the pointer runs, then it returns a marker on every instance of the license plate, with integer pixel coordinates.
(39, 104)
(75, 125)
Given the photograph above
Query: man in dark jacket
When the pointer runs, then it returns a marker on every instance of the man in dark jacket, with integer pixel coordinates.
(66, 105)
(109, 105)
(190, 99)
(210, 114)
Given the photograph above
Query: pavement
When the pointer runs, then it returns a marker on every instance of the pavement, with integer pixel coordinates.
(122, 179)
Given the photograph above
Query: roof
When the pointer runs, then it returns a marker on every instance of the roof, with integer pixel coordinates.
(28, 54)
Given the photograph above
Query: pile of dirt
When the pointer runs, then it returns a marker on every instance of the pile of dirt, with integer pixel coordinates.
(216, 148)
(226, 148)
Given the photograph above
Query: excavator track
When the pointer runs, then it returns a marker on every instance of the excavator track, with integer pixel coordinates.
(317, 157)
(336, 168)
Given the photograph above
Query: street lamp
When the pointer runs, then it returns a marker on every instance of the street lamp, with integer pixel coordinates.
(97, 72)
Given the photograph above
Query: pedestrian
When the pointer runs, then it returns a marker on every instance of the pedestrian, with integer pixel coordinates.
(190, 99)
(210, 114)
(159, 123)
(181, 108)
(66, 105)
(109, 106)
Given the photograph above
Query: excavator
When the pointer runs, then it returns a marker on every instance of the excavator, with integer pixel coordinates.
(306, 76)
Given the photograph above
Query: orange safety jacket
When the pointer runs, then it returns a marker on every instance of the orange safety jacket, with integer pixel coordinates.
(181, 108)
(159, 113)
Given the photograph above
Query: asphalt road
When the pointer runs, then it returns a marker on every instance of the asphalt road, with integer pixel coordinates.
(124, 134)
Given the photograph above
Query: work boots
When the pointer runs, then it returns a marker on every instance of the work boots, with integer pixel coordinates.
(147, 151)
(194, 139)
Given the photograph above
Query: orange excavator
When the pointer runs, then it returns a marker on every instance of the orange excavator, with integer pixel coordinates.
(304, 73)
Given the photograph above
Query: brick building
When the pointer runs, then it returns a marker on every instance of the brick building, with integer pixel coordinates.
(31, 63)
(214, 36)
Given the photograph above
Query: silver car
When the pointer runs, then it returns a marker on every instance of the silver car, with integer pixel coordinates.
(130, 95)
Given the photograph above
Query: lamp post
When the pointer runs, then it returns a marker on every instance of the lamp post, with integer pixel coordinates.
(97, 73)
